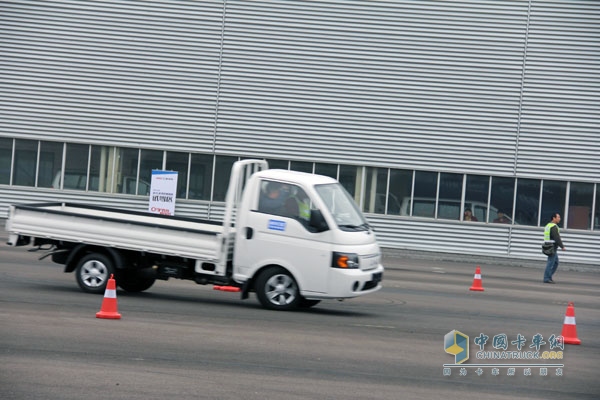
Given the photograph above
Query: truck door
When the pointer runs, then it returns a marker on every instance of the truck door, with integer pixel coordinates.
(276, 231)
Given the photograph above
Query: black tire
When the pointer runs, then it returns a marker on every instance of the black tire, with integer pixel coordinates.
(93, 271)
(277, 289)
(307, 303)
(134, 281)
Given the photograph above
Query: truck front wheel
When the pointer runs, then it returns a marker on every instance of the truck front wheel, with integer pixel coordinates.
(306, 303)
(277, 289)
(92, 273)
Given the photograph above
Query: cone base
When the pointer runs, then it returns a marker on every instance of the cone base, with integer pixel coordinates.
(477, 289)
(571, 340)
(108, 315)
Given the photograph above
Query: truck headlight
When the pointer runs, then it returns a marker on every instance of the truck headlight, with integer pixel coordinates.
(345, 260)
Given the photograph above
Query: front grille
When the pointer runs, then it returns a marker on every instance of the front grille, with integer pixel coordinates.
(369, 262)
(373, 282)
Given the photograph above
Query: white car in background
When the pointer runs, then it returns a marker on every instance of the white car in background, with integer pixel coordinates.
(76, 180)
(447, 209)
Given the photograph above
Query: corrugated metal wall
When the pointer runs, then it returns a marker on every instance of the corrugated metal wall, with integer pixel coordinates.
(515, 241)
(475, 86)
(429, 85)
(560, 125)
(120, 72)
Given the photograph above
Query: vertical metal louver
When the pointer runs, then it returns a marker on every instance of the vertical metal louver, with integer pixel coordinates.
(560, 123)
(138, 73)
(403, 83)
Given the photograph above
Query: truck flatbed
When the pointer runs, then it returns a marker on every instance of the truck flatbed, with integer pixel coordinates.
(123, 229)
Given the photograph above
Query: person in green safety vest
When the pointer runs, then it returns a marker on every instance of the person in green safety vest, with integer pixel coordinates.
(298, 205)
(552, 235)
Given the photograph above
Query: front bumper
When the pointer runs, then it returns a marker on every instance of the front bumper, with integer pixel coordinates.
(348, 283)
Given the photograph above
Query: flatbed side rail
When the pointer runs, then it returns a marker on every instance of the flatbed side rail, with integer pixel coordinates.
(46, 208)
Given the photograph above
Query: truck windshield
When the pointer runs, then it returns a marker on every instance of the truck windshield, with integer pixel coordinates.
(342, 207)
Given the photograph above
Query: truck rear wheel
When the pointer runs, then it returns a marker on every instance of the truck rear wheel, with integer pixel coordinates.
(93, 271)
(134, 281)
(277, 289)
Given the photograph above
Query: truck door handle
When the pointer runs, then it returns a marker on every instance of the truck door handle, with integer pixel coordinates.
(249, 233)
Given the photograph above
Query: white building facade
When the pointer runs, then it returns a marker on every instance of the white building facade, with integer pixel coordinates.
(422, 109)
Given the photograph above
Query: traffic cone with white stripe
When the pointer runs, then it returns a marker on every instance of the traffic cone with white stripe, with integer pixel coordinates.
(569, 331)
(477, 286)
(109, 304)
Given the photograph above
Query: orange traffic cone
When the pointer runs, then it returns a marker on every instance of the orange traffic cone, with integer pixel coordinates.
(109, 304)
(477, 281)
(569, 331)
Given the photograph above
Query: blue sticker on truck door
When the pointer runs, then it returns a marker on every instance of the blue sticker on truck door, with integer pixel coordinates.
(276, 225)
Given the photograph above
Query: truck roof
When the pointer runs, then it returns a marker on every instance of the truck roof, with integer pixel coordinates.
(303, 178)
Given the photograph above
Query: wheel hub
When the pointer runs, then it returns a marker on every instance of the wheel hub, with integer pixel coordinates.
(94, 273)
(281, 290)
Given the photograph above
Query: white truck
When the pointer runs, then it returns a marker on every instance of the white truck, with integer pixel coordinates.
(293, 238)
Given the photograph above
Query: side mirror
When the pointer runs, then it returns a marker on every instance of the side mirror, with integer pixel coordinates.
(317, 222)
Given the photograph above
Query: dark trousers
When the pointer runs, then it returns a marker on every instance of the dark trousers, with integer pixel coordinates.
(551, 266)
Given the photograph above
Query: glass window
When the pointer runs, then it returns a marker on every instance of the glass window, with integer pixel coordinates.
(399, 191)
(581, 196)
(423, 207)
(177, 161)
(425, 194)
(50, 170)
(450, 196)
(278, 164)
(127, 173)
(342, 207)
(376, 189)
(301, 166)
(476, 196)
(76, 166)
(25, 162)
(223, 166)
(449, 209)
(5, 160)
(149, 160)
(326, 169)
(283, 199)
(350, 179)
(553, 200)
(200, 176)
(502, 199)
(528, 200)
(101, 168)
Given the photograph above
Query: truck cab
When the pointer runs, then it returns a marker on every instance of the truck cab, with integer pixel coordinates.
(300, 238)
